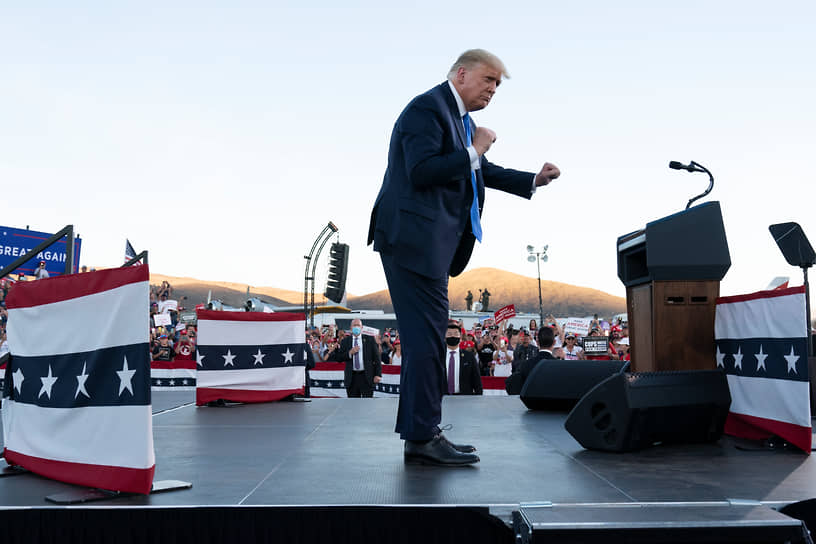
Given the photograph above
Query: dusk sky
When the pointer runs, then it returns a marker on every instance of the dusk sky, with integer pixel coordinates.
(223, 136)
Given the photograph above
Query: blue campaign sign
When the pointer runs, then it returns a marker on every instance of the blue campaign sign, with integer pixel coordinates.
(15, 243)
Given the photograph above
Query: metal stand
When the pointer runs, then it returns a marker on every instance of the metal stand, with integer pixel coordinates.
(12, 470)
(322, 238)
(77, 496)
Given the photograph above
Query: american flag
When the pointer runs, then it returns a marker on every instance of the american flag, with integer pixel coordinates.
(249, 356)
(762, 345)
(130, 253)
(76, 407)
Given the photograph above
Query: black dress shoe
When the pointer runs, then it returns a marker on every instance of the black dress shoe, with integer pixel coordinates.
(462, 448)
(437, 451)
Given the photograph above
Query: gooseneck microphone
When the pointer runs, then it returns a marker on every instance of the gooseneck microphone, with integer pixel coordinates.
(694, 167)
(691, 167)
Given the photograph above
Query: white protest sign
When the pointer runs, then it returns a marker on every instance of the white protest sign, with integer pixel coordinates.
(167, 305)
(577, 325)
(370, 331)
(162, 320)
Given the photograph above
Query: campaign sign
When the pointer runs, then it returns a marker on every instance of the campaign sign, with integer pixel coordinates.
(505, 313)
(596, 345)
(577, 325)
(15, 243)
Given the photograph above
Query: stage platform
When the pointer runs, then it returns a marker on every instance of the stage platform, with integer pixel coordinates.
(344, 453)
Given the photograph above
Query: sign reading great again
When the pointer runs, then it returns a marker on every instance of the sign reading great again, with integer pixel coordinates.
(15, 243)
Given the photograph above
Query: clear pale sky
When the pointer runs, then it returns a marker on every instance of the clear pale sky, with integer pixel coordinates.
(222, 136)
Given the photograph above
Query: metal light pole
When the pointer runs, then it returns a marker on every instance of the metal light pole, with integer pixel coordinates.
(538, 256)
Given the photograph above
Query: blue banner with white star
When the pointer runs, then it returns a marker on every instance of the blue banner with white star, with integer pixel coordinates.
(761, 343)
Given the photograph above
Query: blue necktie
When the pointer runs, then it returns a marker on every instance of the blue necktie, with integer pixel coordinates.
(476, 225)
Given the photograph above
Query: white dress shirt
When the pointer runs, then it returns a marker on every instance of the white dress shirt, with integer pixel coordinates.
(455, 367)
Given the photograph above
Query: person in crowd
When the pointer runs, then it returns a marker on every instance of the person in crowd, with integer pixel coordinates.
(533, 326)
(4, 347)
(163, 351)
(41, 273)
(362, 358)
(331, 349)
(185, 347)
(396, 355)
(572, 351)
(610, 353)
(463, 376)
(523, 351)
(552, 322)
(546, 338)
(485, 348)
(314, 347)
(558, 353)
(386, 347)
(502, 359)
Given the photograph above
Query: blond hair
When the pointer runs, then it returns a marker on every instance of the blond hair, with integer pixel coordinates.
(472, 57)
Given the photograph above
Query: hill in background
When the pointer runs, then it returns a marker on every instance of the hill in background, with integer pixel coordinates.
(560, 299)
(232, 294)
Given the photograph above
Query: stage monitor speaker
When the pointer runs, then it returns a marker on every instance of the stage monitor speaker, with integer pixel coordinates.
(559, 385)
(631, 411)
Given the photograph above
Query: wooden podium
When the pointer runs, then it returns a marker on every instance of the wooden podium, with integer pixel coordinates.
(672, 271)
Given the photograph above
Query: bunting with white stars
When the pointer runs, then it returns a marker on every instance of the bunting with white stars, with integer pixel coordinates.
(249, 356)
(77, 408)
(762, 345)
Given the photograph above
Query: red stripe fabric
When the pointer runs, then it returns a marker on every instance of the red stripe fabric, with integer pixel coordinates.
(331, 366)
(215, 315)
(61, 288)
(173, 365)
(129, 480)
(761, 294)
(757, 428)
(205, 395)
(493, 382)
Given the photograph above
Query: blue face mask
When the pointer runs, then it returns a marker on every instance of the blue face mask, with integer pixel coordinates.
(355, 331)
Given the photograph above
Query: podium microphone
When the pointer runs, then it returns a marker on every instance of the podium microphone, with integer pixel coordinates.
(691, 167)
(694, 167)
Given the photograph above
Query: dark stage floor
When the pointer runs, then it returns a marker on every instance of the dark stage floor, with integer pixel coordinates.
(343, 452)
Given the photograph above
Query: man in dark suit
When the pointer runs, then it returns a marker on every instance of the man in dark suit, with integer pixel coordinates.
(515, 382)
(362, 358)
(424, 224)
(463, 376)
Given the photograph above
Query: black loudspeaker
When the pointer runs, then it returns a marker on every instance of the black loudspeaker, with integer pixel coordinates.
(559, 385)
(631, 411)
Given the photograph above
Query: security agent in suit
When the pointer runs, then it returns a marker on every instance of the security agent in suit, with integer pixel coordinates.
(362, 358)
(462, 365)
(424, 225)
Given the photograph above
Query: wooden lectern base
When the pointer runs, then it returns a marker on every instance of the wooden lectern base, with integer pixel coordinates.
(671, 325)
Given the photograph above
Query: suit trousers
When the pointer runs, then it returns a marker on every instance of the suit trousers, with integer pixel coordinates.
(359, 386)
(421, 306)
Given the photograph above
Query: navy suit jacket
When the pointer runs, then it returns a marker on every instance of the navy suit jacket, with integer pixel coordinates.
(422, 213)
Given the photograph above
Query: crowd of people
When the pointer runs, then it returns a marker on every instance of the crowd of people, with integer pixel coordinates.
(500, 348)
(170, 338)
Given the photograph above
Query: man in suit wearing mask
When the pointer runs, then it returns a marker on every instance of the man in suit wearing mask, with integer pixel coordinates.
(463, 367)
(362, 358)
(425, 222)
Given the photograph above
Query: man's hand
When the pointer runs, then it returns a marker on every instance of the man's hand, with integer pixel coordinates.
(354, 350)
(483, 139)
(548, 173)
(377, 379)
